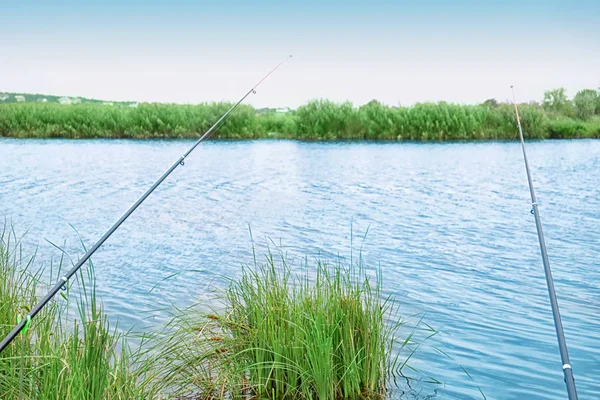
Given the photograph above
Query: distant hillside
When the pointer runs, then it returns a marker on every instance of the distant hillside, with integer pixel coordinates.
(6, 97)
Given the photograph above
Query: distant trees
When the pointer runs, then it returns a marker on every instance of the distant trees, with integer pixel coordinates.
(586, 102)
(491, 103)
(584, 106)
(556, 101)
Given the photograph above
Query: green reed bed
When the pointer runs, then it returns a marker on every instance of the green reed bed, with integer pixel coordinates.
(59, 357)
(316, 120)
(281, 335)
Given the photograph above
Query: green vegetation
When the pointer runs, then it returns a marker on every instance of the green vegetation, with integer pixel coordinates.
(557, 102)
(557, 117)
(276, 336)
(57, 358)
(144, 121)
(586, 102)
(281, 337)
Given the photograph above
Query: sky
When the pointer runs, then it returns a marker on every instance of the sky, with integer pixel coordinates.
(397, 52)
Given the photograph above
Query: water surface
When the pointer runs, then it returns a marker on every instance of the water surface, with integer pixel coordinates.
(448, 224)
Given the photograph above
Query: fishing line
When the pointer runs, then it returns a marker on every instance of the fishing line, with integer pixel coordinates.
(64, 279)
(562, 344)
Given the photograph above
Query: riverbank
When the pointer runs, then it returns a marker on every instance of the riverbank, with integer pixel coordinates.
(278, 335)
(317, 120)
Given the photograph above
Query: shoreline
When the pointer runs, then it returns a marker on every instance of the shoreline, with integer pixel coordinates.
(319, 120)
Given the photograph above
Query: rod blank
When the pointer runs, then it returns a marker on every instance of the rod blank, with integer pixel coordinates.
(562, 344)
(63, 280)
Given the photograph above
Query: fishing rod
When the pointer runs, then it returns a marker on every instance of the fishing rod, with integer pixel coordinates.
(562, 344)
(64, 279)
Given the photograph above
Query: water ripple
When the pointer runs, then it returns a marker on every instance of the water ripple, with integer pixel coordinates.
(448, 224)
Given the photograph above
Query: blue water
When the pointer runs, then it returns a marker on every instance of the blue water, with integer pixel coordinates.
(448, 224)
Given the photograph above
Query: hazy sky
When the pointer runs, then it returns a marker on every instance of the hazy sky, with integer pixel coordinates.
(394, 51)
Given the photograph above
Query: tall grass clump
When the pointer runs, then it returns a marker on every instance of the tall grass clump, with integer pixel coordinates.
(59, 358)
(280, 335)
(568, 128)
(324, 119)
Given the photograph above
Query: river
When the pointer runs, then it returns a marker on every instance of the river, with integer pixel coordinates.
(449, 225)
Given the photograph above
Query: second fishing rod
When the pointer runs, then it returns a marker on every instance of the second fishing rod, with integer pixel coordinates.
(65, 278)
(560, 334)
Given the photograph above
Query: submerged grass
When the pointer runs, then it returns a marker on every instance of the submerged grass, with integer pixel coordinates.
(285, 336)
